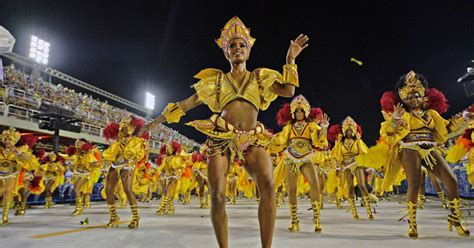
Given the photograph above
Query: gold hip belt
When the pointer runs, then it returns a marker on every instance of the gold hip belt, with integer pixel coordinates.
(223, 135)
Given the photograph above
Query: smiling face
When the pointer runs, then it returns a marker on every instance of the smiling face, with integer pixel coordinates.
(414, 100)
(237, 51)
(299, 114)
(348, 133)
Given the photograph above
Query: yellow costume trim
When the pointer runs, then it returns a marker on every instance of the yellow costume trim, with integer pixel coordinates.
(290, 74)
(412, 84)
(349, 123)
(173, 112)
(425, 153)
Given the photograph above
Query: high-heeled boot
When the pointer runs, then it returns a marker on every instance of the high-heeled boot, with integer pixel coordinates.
(316, 213)
(135, 218)
(114, 219)
(295, 223)
(455, 219)
(353, 208)
(79, 207)
(412, 227)
(442, 198)
(367, 207)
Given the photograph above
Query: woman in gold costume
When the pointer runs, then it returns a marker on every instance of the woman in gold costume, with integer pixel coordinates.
(86, 165)
(413, 135)
(200, 173)
(348, 145)
(172, 167)
(464, 146)
(52, 169)
(13, 159)
(236, 98)
(300, 138)
(123, 155)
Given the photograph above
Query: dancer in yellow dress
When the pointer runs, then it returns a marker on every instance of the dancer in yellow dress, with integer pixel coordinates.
(172, 167)
(13, 159)
(86, 165)
(464, 146)
(52, 170)
(413, 136)
(200, 173)
(123, 155)
(236, 98)
(349, 145)
(29, 181)
(300, 137)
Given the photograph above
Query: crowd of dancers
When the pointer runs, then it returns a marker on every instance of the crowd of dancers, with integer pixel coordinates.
(308, 157)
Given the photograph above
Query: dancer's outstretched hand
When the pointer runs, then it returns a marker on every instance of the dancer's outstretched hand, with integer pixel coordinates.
(296, 47)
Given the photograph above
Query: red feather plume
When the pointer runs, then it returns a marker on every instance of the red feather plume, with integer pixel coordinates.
(162, 149)
(40, 153)
(284, 114)
(388, 101)
(28, 140)
(359, 129)
(71, 150)
(316, 114)
(111, 131)
(176, 147)
(334, 131)
(437, 101)
(86, 147)
(159, 160)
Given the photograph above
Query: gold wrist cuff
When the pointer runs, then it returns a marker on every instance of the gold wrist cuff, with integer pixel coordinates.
(173, 112)
(290, 74)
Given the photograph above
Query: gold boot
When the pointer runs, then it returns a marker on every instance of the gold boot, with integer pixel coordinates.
(22, 208)
(412, 227)
(6, 209)
(87, 201)
(135, 218)
(201, 201)
(338, 202)
(316, 212)
(456, 218)
(421, 201)
(367, 207)
(169, 210)
(79, 208)
(354, 209)
(278, 199)
(48, 202)
(443, 199)
(208, 200)
(163, 204)
(321, 200)
(114, 219)
(295, 223)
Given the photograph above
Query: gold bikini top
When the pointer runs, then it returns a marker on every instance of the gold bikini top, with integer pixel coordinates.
(216, 88)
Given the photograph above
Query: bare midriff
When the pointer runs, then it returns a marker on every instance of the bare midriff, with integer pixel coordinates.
(241, 114)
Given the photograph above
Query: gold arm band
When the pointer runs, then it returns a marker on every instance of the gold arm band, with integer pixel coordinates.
(290, 74)
(173, 112)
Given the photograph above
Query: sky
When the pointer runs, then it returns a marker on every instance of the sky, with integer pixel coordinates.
(130, 47)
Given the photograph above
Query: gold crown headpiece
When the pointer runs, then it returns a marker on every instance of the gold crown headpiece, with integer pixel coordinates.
(300, 102)
(349, 123)
(234, 28)
(412, 84)
(11, 134)
(126, 122)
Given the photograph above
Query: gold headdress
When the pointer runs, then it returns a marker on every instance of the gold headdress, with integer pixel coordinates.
(127, 123)
(412, 84)
(234, 28)
(300, 102)
(349, 123)
(12, 135)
